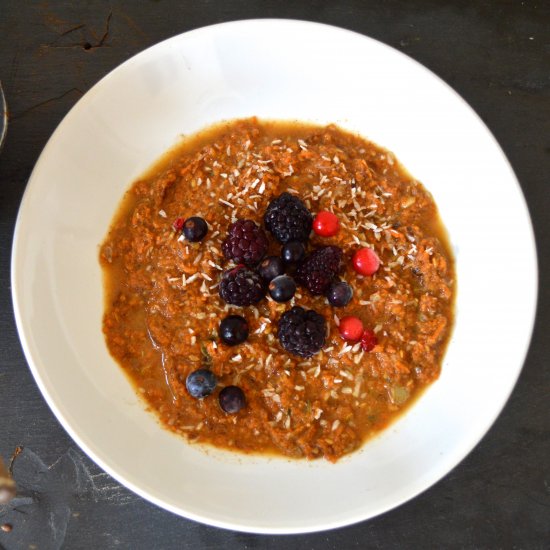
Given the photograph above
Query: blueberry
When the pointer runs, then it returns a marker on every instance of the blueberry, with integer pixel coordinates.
(201, 383)
(233, 330)
(293, 252)
(271, 267)
(339, 294)
(195, 229)
(282, 288)
(232, 399)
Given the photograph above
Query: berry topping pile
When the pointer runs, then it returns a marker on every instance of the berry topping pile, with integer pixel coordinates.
(301, 332)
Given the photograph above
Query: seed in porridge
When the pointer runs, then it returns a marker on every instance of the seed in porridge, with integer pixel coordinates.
(288, 218)
(293, 252)
(233, 330)
(271, 267)
(282, 288)
(232, 399)
(302, 332)
(241, 286)
(245, 243)
(351, 328)
(200, 383)
(365, 261)
(320, 268)
(339, 294)
(326, 224)
(195, 229)
(368, 340)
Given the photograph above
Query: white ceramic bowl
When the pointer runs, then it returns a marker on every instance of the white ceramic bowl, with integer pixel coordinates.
(287, 70)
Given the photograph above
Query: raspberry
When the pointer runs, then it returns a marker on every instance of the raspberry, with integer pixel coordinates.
(241, 287)
(288, 219)
(177, 226)
(302, 332)
(369, 340)
(245, 243)
(319, 269)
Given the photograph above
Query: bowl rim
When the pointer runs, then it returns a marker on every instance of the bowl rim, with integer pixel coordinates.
(120, 477)
(4, 120)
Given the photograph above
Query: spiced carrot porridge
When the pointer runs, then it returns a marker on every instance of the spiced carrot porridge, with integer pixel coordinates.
(278, 288)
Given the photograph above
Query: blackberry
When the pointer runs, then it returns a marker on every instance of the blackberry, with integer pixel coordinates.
(288, 219)
(302, 332)
(241, 287)
(319, 269)
(246, 243)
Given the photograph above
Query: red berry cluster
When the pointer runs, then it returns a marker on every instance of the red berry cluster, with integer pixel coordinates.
(365, 262)
(352, 330)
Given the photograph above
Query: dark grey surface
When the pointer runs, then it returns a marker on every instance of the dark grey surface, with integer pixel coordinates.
(495, 54)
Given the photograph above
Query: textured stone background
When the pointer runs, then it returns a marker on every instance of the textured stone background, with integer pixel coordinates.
(496, 54)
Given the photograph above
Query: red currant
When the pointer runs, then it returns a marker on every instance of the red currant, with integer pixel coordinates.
(368, 340)
(326, 224)
(178, 224)
(366, 261)
(351, 328)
